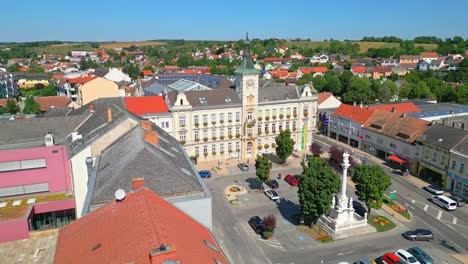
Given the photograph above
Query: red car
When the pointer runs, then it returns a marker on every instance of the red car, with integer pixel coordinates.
(291, 180)
(392, 258)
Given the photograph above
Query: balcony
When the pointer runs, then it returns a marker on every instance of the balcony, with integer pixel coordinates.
(251, 122)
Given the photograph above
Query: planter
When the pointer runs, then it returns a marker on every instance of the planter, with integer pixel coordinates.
(259, 119)
(196, 125)
(230, 136)
(273, 145)
(306, 114)
(295, 115)
(221, 137)
(267, 146)
(213, 138)
(281, 116)
(213, 123)
(267, 118)
(268, 234)
(221, 152)
(274, 117)
(205, 139)
(288, 116)
(237, 135)
(205, 124)
(213, 153)
(197, 139)
(182, 142)
(259, 147)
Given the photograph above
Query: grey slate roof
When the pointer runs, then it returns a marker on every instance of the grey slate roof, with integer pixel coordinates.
(442, 136)
(157, 89)
(277, 92)
(164, 166)
(24, 133)
(462, 147)
(212, 97)
(101, 71)
(55, 112)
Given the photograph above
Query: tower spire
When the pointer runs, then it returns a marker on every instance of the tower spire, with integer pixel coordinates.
(247, 65)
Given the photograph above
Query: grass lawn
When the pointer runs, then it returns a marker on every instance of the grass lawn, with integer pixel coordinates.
(397, 208)
(363, 46)
(381, 223)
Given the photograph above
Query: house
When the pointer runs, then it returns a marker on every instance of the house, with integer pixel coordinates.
(327, 100)
(423, 65)
(69, 86)
(457, 174)
(319, 59)
(428, 56)
(49, 102)
(296, 56)
(30, 80)
(112, 74)
(272, 60)
(95, 89)
(439, 111)
(359, 70)
(153, 108)
(409, 61)
(436, 65)
(138, 227)
(434, 147)
(319, 71)
(381, 72)
(146, 73)
(389, 62)
(399, 70)
(392, 136)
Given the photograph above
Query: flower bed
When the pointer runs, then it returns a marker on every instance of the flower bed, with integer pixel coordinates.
(235, 202)
(234, 189)
(397, 208)
(381, 223)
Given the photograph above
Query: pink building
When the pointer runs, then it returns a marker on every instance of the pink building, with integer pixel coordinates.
(35, 191)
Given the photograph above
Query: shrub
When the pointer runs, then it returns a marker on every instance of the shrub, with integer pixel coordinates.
(182, 142)
(213, 123)
(274, 117)
(273, 145)
(267, 234)
(267, 118)
(269, 223)
(259, 118)
(259, 147)
(316, 149)
(288, 116)
(221, 137)
(267, 146)
(213, 138)
(295, 115)
(229, 136)
(196, 124)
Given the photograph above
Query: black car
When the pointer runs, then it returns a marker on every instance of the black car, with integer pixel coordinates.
(243, 166)
(419, 234)
(256, 223)
(272, 184)
(359, 208)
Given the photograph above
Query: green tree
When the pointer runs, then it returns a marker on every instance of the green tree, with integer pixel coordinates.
(387, 91)
(284, 145)
(317, 184)
(420, 90)
(31, 106)
(333, 84)
(319, 82)
(359, 90)
(12, 106)
(371, 183)
(36, 69)
(263, 167)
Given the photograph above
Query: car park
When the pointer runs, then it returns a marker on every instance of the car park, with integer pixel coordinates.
(460, 202)
(291, 180)
(272, 184)
(444, 202)
(272, 194)
(421, 255)
(419, 234)
(256, 223)
(434, 190)
(204, 174)
(243, 166)
(406, 257)
(391, 258)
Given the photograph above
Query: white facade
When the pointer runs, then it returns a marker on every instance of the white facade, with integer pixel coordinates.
(457, 179)
(330, 102)
(80, 179)
(345, 129)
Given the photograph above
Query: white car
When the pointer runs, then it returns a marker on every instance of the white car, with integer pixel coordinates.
(406, 257)
(272, 194)
(434, 190)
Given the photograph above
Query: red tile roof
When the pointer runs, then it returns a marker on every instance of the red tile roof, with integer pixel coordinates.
(146, 105)
(48, 102)
(383, 69)
(323, 96)
(127, 231)
(82, 80)
(319, 69)
(272, 60)
(399, 108)
(429, 55)
(146, 72)
(361, 114)
(305, 70)
(359, 69)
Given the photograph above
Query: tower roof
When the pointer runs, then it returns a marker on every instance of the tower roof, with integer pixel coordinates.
(247, 66)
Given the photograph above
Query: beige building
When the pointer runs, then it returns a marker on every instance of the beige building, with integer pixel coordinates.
(220, 124)
(95, 89)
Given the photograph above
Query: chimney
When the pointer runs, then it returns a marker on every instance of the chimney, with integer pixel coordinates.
(403, 115)
(162, 254)
(138, 182)
(360, 105)
(393, 110)
(89, 165)
(354, 103)
(109, 114)
(463, 126)
(151, 137)
(49, 139)
(91, 108)
(146, 125)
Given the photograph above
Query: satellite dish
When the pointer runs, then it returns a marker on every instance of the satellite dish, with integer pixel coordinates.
(119, 195)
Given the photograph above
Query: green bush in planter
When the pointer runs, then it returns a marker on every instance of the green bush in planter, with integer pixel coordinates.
(267, 234)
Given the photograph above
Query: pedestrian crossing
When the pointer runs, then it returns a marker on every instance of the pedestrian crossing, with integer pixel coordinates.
(272, 242)
(440, 214)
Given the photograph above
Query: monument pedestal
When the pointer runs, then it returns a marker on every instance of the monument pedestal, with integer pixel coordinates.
(342, 221)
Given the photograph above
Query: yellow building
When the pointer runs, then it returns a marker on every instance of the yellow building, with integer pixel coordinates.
(95, 89)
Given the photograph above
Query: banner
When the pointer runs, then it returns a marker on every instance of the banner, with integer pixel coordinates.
(304, 137)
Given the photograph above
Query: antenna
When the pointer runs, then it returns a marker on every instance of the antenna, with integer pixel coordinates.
(119, 195)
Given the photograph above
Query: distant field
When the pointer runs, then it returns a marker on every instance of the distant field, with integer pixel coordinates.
(363, 46)
(62, 49)
(113, 45)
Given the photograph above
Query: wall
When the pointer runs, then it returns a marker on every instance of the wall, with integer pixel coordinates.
(97, 88)
(331, 102)
(110, 137)
(54, 206)
(57, 173)
(80, 178)
(458, 181)
(200, 210)
(14, 230)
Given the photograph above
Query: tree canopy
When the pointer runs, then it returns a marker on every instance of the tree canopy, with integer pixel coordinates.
(371, 183)
(284, 145)
(31, 106)
(263, 167)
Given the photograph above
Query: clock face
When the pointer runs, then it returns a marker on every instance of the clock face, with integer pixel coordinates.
(250, 83)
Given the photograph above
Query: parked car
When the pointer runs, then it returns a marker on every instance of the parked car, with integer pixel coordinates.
(391, 258)
(363, 261)
(256, 223)
(272, 194)
(204, 174)
(272, 184)
(434, 190)
(291, 180)
(419, 234)
(243, 166)
(421, 255)
(406, 257)
(359, 208)
(379, 260)
(460, 202)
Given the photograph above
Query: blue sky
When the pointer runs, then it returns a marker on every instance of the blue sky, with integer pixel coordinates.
(128, 20)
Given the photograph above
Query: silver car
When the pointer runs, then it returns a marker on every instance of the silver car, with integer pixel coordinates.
(272, 194)
(434, 190)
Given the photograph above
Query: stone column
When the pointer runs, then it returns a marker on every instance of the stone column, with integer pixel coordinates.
(345, 165)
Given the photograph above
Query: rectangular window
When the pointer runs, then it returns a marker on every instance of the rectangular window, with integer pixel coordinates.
(229, 117)
(294, 125)
(205, 118)
(213, 148)
(229, 131)
(392, 145)
(205, 149)
(237, 145)
(306, 111)
(442, 158)
(237, 116)
(195, 120)
(281, 111)
(249, 130)
(221, 148)
(213, 132)
(368, 137)
(287, 125)
(288, 110)
(249, 116)
(237, 130)
(280, 126)
(182, 121)
(266, 128)
(229, 146)
(213, 117)
(454, 164)
(274, 112)
(221, 117)
(267, 113)
(259, 128)
(221, 132)
(196, 134)
(462, 167)
(260, 113)
(426, 152)
(205, 133)
(294, 110)
(197, 151)
(273, 127)
(434, 155)
(182, 136)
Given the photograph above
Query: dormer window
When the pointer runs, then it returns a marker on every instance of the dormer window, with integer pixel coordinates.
(202, 100)
(227, 99)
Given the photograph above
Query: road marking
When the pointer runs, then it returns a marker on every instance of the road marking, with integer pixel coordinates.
(425, 207)
(439, 215)
(454, 221)
(413, 201)
(345, 253)
(237, 230)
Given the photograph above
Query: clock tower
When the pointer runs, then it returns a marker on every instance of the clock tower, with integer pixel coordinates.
(247, 90)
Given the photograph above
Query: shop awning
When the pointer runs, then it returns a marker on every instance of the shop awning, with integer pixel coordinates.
(396, 159)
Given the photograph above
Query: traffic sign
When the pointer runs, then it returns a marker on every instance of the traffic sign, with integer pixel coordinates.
(392, 195)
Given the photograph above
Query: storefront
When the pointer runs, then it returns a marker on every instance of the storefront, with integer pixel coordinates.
(458, 185)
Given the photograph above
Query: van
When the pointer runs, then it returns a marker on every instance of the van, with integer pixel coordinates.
(444, 202)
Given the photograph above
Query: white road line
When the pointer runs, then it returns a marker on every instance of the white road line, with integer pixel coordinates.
(425, 207)
(413, 201)
(237, 230)
(439, 215)
(454, 221)
(345, 253)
